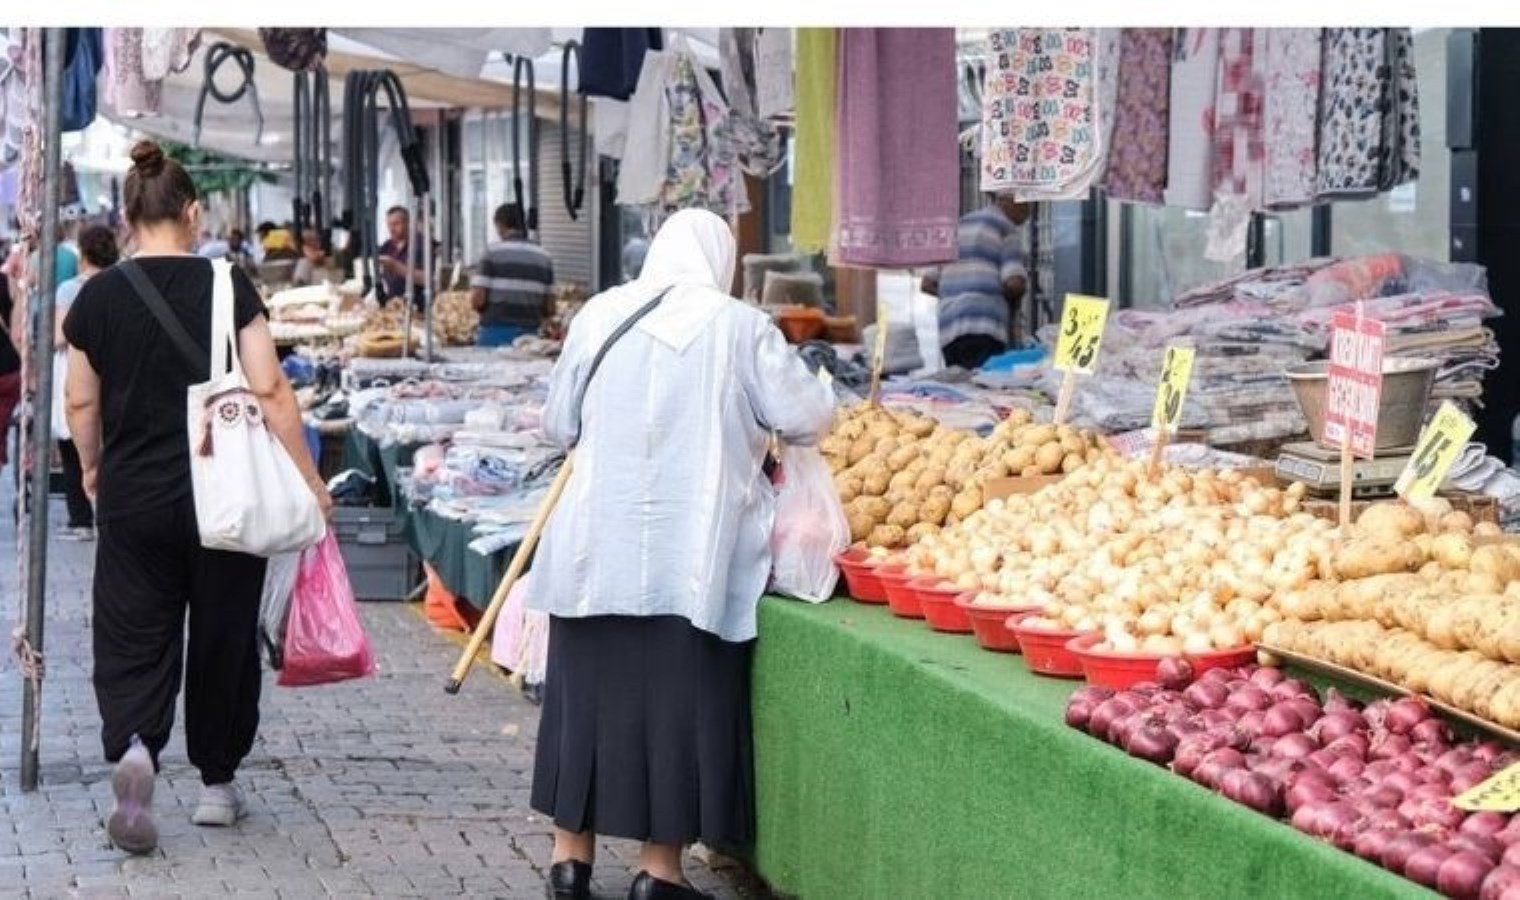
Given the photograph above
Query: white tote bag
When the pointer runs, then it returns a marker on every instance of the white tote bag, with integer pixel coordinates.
(249, 495)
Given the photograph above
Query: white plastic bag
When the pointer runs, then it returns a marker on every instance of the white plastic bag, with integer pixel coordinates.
(274, 606)
(249, 495)
(810, 528)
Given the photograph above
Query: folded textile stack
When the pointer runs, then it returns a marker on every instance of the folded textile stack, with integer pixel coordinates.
(1477, 472)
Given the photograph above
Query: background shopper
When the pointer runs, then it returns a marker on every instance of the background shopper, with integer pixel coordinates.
(97, 251)
(512, 283)
(126, 408)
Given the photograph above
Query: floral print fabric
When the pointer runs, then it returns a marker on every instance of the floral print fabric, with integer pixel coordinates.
(1354, 99)
(1190, 139)
(1137, 163)
(1039, 115)
(702, 169)
(1289, 116)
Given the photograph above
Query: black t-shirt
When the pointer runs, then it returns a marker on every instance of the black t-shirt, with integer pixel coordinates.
(145, 454)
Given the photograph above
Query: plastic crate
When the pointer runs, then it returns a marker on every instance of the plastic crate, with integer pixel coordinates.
(380, 564)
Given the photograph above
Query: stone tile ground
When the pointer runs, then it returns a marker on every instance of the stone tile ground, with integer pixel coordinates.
(382, 787)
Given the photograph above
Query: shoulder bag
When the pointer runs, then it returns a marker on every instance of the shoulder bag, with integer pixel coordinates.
(249, 495)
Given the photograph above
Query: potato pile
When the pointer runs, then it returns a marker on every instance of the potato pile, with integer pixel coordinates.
(1465, 679)
(1179, 561)
(1422, 597)
(902, 476)
(455, 321)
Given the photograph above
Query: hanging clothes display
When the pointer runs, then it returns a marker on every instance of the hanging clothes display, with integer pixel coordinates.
(166, 51)
(899, 162)
(1399, 161)
(82, 62)
(1289, 116)
(127, 92)
(680, 151)
(1190, 130)
(813, 143)
(1042, 125)
(757, 139)
(774, 98)
(1355, 95)
(13, 106)
(1239, 155)
(1137, 161)
(613, 58)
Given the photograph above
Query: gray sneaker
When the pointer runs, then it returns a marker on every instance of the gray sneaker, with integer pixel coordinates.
(220, 806)
(131, 825)
(77, 535)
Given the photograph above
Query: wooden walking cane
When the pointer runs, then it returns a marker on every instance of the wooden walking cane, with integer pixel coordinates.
(514, 571)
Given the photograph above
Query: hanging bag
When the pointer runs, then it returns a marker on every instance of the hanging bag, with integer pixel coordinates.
(810, 527)
(249, 495)
(324, 639)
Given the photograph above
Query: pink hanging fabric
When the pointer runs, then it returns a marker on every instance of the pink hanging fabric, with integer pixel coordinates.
(1138, 159)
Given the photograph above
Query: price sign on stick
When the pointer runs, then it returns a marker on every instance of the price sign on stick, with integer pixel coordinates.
(1175, 374)
(1167, 414)
(1354, 392)
(1500, 793)
(1082, 321)
(1442, 441)
(878, 352)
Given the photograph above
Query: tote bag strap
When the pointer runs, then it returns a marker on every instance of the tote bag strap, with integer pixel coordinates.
(224, 348)
(596, 361)
(193, 352)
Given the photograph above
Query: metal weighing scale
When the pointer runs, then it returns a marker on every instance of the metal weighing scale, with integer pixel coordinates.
(1320, 469)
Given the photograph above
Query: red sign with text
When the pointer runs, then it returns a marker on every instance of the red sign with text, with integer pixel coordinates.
(1356, 382)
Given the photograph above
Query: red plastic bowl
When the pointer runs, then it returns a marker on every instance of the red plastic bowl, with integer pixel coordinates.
(1228, 658)
(1045, 651)
(1111, 668)
(902, 599)
(862, 578)
(937, 599)
(990, 622)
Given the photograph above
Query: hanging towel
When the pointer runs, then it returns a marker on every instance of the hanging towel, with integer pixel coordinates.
(773, 74)
(1238, 152)
(813, 142)
(1290, 114)
(1400, 159)
(1190, 143)
(85, 55)
(1137, 160)
(166, 51)
(899, 161)
(1355, 94)
(1040, 122)
(612, 58)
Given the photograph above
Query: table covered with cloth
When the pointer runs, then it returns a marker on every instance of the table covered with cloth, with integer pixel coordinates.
(892, 761)
(445, 544)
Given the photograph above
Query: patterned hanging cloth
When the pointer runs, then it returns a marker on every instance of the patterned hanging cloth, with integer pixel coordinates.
(1290, 116)
(1354, 97)
(1137, 163)
(1239, 154)
(1190, 132)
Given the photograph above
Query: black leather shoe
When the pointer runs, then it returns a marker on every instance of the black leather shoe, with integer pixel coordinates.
(570, 880)
(648, 887)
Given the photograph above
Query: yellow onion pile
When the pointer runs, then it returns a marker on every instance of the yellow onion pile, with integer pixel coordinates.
(1178, 561)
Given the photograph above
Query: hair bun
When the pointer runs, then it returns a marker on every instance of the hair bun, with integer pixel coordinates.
(148, 158)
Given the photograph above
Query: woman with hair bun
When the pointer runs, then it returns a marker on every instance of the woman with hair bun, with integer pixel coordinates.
(126, 412)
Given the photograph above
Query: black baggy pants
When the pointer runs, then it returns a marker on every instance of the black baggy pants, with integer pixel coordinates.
(150, 568)
(81, 513)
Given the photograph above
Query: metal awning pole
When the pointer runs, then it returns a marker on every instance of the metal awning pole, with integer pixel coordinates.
(42, 403)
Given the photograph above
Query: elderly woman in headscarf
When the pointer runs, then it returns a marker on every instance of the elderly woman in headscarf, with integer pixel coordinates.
(654, 561)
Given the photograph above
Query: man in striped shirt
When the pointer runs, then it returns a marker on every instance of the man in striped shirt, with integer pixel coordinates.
(979, 293)
(510, 287)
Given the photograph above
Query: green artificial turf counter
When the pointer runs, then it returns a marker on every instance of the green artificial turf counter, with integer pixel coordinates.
(892, 761)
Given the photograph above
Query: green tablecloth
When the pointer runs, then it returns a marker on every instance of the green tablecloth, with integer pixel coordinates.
(445, 544)
(895, 762)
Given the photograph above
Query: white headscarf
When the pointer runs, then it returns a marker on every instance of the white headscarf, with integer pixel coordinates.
(693, 255)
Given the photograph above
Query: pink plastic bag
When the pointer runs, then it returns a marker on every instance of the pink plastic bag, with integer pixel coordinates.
(324, 640)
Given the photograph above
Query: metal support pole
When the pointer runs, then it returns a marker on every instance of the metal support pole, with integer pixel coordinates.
(427, 277)
(42, 401)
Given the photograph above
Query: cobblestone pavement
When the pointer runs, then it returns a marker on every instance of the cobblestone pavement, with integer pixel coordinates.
(383, 786)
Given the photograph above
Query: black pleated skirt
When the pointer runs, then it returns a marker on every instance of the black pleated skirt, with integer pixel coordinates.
(645, 732)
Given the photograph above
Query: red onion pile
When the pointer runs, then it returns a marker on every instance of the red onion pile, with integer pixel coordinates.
(1375, 781)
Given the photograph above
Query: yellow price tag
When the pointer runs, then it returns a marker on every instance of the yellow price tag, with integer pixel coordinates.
(1500, 793)
(1442, 441)
(1175, 374)
(1082, 321)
